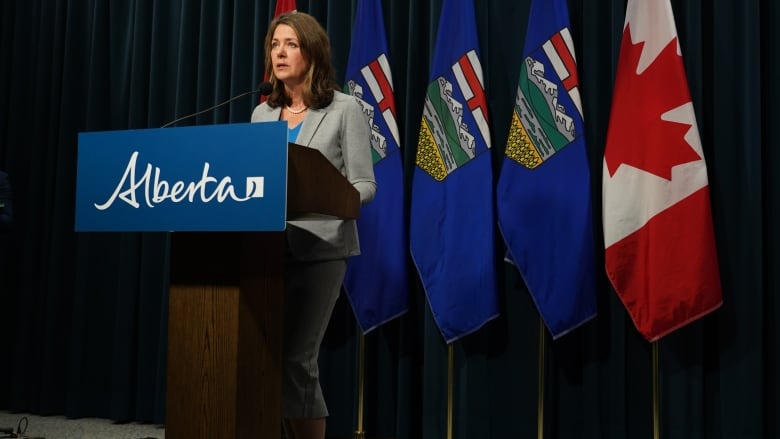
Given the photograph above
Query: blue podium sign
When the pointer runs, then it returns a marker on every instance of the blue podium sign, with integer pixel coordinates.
(229, 177)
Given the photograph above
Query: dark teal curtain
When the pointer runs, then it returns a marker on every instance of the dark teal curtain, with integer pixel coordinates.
(83, 316)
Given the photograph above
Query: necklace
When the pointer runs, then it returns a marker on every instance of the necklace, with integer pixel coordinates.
(299, 111)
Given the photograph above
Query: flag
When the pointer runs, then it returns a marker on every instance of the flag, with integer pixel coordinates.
(544, 192)
(282, 6)
(452, 222)
(377, 280)
(658, 232)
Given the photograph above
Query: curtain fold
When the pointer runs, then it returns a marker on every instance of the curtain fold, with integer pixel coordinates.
(83, 317)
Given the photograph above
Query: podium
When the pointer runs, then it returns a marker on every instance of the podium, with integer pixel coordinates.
(225, 314)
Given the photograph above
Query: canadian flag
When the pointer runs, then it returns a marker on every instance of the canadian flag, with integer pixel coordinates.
(658, 232)
(283, 6)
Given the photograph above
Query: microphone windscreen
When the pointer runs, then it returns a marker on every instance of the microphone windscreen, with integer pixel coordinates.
(265, 88)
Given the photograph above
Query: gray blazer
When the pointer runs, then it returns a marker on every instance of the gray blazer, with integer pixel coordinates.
(341, 133)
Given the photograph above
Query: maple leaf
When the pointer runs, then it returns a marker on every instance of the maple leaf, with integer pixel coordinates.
(637, 135)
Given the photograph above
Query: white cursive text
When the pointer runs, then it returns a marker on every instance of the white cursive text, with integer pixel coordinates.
(156, 190)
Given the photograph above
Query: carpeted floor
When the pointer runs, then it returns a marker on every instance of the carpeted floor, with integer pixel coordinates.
(59, 427)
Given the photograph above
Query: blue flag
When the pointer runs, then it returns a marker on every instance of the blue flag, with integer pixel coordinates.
(377, 280)
(452, 223)
(543, 192)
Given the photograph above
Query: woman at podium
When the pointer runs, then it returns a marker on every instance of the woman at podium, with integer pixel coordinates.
(305, 94)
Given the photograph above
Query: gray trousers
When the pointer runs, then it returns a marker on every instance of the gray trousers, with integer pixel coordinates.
(311, 290)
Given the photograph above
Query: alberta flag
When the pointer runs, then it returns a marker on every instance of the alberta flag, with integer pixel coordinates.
(544, 191)
(377, 280)
(658, 233)
(452, 222)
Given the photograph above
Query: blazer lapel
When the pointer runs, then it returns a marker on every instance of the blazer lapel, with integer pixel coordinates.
(310, 125)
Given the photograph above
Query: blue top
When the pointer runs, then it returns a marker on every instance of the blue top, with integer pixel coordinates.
(292, 133)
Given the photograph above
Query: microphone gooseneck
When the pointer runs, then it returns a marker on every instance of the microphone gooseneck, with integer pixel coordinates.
(264, 88)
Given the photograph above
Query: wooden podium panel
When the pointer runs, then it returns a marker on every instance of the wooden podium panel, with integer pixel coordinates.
(226, 311)
(224, 335)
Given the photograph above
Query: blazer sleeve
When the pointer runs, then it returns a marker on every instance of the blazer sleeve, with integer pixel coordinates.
(356, 149)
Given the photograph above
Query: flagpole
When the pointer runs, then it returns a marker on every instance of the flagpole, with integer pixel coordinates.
(540, 390)
(656, 414)
(450, 380)
(359, 433)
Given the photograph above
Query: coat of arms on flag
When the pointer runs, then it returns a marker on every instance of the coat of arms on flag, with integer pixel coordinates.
(376, 75)
(445, 141)
(546, 119)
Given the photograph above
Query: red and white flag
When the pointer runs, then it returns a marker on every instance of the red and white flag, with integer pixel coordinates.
(283, 6)
(658, 232)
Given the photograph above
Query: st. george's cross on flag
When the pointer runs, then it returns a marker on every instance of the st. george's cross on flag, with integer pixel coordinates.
(377, 280)
(544, 192)
(658, 231)
(452, 225)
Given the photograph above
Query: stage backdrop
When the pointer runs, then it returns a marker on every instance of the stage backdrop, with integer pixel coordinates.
(84, 315)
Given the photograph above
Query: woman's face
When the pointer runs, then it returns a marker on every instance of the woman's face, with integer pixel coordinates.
(290, 67)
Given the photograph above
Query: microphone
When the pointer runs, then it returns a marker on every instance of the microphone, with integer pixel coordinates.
(264, 88)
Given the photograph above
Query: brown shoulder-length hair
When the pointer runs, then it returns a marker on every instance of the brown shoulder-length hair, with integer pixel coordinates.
(315, 47)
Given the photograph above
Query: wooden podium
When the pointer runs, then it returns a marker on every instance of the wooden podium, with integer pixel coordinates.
(225, 314)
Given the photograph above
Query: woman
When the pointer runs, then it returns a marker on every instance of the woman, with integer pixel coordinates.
(297, 55)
